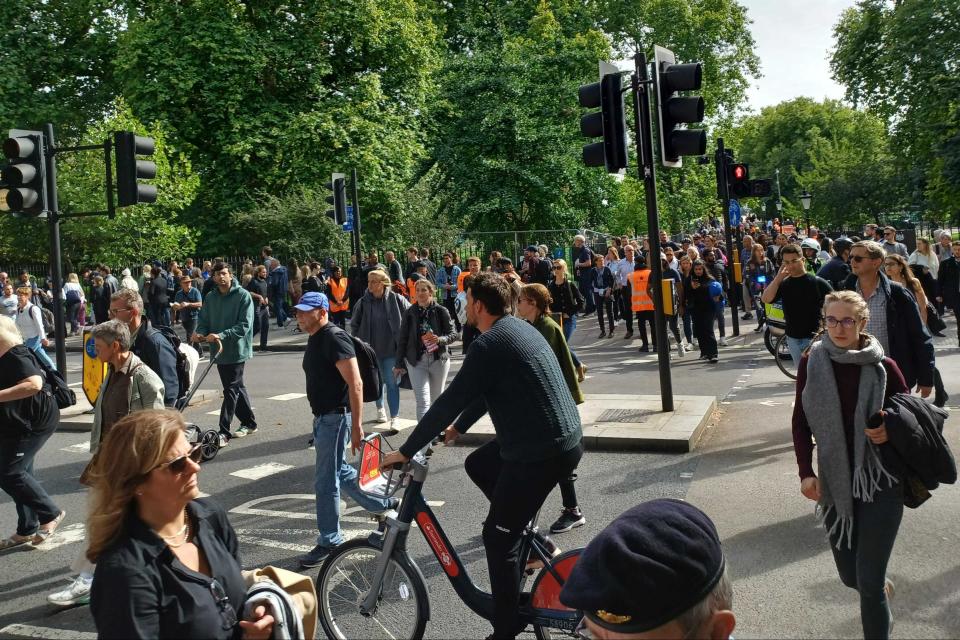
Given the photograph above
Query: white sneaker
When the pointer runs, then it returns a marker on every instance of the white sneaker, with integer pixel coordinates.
(680, 351)
(381, 415)
(722, 342)
(690, 346)
(77, 593)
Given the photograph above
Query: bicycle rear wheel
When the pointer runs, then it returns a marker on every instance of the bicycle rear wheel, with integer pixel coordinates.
(402, 609)
(784, 359)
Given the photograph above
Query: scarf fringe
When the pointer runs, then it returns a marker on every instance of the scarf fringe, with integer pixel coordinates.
(845, 525)
(867, 479)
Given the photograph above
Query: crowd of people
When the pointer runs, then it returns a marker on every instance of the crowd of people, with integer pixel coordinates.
(850, 305)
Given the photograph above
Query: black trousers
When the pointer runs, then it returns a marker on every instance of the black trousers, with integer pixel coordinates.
(261, 324)
(516, 491)
(703, 329)
(451, 306)
(236, 401)
(643, 319)
(603, 303)
(339, 318)
(34, 506)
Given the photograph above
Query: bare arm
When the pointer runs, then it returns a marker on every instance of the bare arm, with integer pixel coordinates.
(351, 375)
(24, 389)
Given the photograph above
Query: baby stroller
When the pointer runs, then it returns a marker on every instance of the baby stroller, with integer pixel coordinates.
(209, 439)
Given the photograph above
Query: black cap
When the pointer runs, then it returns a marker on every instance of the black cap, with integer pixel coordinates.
(650, 565)
(533, 249)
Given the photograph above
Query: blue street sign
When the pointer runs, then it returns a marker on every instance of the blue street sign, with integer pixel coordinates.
(734, 213)
(348, 225)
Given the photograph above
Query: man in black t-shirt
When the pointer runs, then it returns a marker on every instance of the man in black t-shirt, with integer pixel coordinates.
(335, 393)
(259, 291)
(802, 296)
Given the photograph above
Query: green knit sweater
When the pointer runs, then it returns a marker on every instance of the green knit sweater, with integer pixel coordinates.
(511, 373)
(553, 334)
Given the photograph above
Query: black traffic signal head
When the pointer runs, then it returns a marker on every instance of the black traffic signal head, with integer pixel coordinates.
(609, 123)
(127, 147)
(760, 188)
(337, 198)
(675, 111)
(23, 190)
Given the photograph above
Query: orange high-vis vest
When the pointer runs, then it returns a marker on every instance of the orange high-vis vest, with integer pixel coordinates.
(412, 289)
(640, 300)
(339, 290)
(463, 274)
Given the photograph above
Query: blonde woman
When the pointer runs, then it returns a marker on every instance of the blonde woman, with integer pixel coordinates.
(925, 257)
(28, 418)
(168, 563)
(74, 297)
(568, 302)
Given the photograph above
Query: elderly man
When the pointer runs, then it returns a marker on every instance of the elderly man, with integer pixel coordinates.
(656, 571)
(149, 344)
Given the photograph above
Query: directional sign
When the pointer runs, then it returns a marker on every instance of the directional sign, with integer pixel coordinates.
(348, 225)
(94, 370)
(734, 213)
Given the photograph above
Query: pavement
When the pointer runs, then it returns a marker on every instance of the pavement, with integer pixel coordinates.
(743, 474)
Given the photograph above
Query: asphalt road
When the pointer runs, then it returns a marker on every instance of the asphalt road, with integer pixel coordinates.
(743, 475)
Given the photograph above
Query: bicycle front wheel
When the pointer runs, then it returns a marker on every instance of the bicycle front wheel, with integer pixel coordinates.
(345, 579)
(784, 359)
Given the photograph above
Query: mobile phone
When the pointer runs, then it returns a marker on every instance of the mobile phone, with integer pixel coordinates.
(761, 279)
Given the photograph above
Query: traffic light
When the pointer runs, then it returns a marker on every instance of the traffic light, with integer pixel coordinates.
(129, 170)
(23, 191)
(739, 180)
(674, 111)
(338, 198)
(608, 123)
(760, 188)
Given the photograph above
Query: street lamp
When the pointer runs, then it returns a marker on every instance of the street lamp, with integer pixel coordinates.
(805, 199)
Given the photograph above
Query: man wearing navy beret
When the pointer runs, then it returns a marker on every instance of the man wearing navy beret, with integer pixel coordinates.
(657, 571)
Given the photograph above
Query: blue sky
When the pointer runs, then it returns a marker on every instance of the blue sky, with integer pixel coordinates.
(793, 40)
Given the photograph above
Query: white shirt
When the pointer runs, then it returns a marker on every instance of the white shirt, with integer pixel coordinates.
(72, 286)
(624, 269)
(9, 305)
(930, 262)
(30, 322)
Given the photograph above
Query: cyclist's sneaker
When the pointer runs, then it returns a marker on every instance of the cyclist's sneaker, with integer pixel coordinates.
(315, 557)
(713, 359)
(224, 441)
(569, 519)
(77, 593)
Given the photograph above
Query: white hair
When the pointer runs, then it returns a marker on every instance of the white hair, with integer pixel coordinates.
(579, 237)
(9, 334)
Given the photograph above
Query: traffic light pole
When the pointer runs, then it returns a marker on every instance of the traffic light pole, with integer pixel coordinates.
(647, 173)
(355, 200)
(724, 174)
(53, 221)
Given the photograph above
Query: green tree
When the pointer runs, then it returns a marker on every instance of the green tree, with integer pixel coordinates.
(899, 59)
(272, 96)
(137, 233)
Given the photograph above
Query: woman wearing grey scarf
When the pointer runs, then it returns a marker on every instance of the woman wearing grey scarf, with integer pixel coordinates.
(841, 382)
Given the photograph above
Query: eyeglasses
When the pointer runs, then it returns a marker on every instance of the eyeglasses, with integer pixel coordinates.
(112, 312)
(228, 614)
(859, 259)
(558, 267)
(178, 464)
(848, 323)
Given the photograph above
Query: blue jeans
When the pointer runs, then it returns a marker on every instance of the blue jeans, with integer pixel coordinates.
(331, 436)
(393, 389)
(569, 324)
(796, 347)
(36, 345)
(279, 310)
(863, 566)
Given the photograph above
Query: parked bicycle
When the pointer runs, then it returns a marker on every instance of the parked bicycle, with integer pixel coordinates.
(372, 588)
(775, 337)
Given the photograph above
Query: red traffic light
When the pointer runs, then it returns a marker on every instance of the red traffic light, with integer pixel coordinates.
(739, 172)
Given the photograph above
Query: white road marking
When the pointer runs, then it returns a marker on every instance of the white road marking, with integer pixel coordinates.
(215, 412)
(75, 384)
(250, 509)
(348, 534)
(262, 470)
(63, 536)
(31, 631)
(288, 396)
(80, 447)
(638, 360)
(770, 403)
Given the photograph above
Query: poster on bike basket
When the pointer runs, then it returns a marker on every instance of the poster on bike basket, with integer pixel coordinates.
(371, 479)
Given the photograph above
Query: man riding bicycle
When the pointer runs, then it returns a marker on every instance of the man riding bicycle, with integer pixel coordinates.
(538, 441)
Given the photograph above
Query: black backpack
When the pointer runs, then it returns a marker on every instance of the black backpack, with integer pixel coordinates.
(183, 370)
(369, 369)
(63, 395)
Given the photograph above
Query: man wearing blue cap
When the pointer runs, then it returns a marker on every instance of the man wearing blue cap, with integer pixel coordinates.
(657, 571)
(335, 394)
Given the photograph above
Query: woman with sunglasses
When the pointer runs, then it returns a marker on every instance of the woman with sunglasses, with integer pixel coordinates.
(168, 563)
(843, 381)
(568, 302)
(128, 386)
(896, 268)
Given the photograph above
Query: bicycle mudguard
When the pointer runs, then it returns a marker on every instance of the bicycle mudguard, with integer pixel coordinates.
(545, 593)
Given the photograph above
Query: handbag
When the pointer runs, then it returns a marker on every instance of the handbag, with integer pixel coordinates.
(934, 322)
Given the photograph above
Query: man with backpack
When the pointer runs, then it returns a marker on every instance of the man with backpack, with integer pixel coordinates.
(335, 391)
(226, 318)
(151, 345)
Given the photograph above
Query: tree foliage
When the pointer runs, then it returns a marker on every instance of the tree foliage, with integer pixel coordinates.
(900, 60)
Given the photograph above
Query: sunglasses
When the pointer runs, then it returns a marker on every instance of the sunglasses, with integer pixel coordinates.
(179, 464)
(860, 258)
(228, 615)
(558, 268)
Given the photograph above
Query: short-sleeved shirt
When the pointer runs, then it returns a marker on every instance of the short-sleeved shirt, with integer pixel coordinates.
(802, 304)
(326, 389)
(192, 296)
(36, 413)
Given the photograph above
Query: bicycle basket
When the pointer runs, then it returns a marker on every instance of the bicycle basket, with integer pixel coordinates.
(374, 481)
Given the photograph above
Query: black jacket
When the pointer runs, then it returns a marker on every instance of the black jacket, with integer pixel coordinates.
(836, 271)
(567, 298)
(949, 279)
(915, 431)
(157, 353)
(409, 345)
(141, 590)
(911, 345)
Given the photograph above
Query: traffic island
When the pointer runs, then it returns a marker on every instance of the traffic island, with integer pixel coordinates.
(631, 422)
